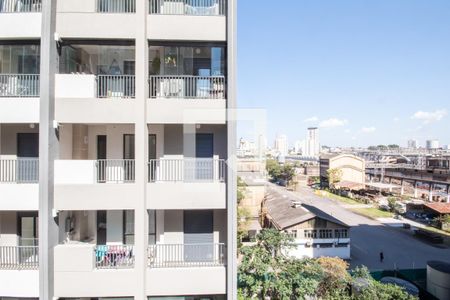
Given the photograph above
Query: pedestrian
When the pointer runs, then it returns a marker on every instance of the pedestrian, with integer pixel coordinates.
(381, 256)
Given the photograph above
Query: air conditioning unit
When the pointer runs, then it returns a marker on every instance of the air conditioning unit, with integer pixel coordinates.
(296, 204)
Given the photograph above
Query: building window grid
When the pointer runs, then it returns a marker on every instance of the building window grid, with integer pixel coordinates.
(310, 233)
(341, 233)
(325, 233)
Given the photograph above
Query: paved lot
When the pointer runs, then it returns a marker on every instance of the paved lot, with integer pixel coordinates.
(368, 237)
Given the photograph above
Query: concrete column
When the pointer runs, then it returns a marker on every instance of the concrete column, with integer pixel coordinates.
(430, 192)
(402, 187)
(141, 150)
(415, 189)
(231, 135)
(48, 151)
(80, 141)
(448, 193)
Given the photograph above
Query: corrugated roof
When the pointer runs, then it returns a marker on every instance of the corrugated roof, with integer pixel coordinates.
(442, 208)
(284, 215)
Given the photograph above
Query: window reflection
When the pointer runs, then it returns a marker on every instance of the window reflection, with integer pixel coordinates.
(190, 60)
(19, 59)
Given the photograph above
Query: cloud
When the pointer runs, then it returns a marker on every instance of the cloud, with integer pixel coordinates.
(347, 130)
(396, 119)
(312, 119)
(428, 117)
(368, 129)
(332, 122)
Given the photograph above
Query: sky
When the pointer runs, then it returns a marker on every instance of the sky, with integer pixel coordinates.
(367, 72)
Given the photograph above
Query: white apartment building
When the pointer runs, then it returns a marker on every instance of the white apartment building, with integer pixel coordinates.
(281, 145)
(116, 149)
(312, 142)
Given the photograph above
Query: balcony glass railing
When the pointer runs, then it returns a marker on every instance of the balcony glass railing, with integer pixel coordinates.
(20, 6)
(188, 7)
(188, 87)
(116, 86)
(19, 85)
(22, 170)
(19, 257)
(187, 170)
(186, 255)
(116, 6)
(114, 256)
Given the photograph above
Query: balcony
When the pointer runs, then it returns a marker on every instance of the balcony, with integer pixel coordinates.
(186, 183)
(185, 256)
(201, 20)
(87, 263)
(19, 180)
(19, 265)
(174, 263)
(108, 19)
(19, 257)
(187, 99)
(94, 184)
(15, 13)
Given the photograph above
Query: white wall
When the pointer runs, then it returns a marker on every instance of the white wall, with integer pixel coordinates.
(19, 283)
(19, 110)
(19, 196)
(186, 111)
(301, 251)
(75, 86)
(20, 26)
(188, 28)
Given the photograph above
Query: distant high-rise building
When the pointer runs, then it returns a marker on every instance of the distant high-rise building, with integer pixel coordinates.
(312, 142)
(432, 144)
(412, 144)
(281, 144)
(300, 147)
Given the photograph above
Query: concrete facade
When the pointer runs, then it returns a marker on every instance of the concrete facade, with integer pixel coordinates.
(124, 186)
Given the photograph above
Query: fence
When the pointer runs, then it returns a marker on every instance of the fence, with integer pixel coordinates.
(22, 170)
(188, 7)
(19, 257)
(115, 170)
(187, 170)
(186, 255)
(193, 87)
(19, 85)
(116, 6)
(20, 6)
(116, 86)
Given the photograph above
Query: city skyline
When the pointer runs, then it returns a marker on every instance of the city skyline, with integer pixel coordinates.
(356, 70)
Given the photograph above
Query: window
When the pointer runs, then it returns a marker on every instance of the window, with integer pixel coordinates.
(341, 233)
(151, 227)
(128, 221)
(291, 233)
(325, 233)
(19, 59)
(310, 234)
(198, 60)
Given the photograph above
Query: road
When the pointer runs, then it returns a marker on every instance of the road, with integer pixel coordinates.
(368, 237)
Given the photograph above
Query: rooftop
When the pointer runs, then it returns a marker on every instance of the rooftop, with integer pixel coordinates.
(442, 208)
(284, 215)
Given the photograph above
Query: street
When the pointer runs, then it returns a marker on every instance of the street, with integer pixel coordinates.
(369, 237)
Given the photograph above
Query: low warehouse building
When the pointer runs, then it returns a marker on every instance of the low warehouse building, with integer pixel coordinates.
(315, 233)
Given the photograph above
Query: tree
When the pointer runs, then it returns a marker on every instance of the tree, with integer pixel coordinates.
(288, 173)
(334, 177)
(243, 214)
(336, 278)
(392, 203)
(241, 189)
(273, 168)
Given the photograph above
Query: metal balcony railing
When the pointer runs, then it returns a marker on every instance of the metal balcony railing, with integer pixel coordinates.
(20, 6)
(115, 170)
(22, 170)
(191, 87)
(19, 85)
(187, 170)
(114, 256)
(19, 257)
(116, 6)
(186, 255)
(116, 86)
(189, 7)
